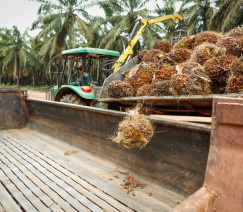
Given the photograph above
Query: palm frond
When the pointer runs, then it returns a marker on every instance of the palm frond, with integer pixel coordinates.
(84, 29)
(113, 33)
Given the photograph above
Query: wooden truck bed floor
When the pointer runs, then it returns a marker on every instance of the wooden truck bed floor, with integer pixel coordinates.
(41, 173)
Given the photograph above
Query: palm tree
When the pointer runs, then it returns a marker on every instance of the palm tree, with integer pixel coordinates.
(60, 25)
(169, 7)
(197, 14)
(18, 56)
(121, 17)
(228, 15)
(61, 28)
(1, 58)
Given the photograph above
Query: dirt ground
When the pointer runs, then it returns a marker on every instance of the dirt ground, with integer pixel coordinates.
(32, 94)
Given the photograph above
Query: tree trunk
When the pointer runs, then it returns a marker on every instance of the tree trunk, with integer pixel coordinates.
(206, 8)
(69, 70)
(0, 76)
(17, 71)
(32, 78)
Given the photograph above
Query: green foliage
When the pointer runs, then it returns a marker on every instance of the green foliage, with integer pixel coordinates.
(61, 23)
(168, 8)
(18, 56)
(67, 24)
(27, 87)
(228, 15)
(197, 14)
(121, 16)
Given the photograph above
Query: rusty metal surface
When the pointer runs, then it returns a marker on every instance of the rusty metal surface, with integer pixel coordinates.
(176, 156)
(172, 101)
(13, 110)
(201, 201)
(224, 169)
(118, 75)
(223, 184)
(200, 104)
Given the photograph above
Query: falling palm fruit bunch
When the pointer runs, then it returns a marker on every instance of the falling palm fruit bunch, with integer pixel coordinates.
(135, 131)
(217, 59)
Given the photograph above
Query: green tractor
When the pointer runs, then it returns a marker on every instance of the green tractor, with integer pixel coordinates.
(89, 67)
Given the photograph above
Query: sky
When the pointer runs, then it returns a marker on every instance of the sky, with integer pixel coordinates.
(22, 13)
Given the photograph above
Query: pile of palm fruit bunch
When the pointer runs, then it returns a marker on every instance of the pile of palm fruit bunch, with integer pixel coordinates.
(218, 69)
(162, 45)
(191, 79)
(152, 56)
(135, 131)
(206, 51)
(207, 36)
(119, 89)
(186, 42)
(235, 80)
(180, 55)
(139, 75)
(142, 53)
(205, 63)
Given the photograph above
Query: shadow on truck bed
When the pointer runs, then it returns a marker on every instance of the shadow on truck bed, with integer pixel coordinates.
(59, 157)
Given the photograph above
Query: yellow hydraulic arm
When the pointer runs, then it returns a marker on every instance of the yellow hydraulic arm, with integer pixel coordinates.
(131, 43)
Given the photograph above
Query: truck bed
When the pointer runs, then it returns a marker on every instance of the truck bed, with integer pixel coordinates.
(59, 157)
(41, 173)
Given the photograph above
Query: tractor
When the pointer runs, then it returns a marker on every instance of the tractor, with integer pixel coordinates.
(94, 67)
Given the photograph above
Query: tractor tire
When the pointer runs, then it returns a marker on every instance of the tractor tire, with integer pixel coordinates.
(73, 99)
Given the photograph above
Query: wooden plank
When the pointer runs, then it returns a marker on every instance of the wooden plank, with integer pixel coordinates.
(46, 177)
(74, 178)
(69, 182)
(84, 186)
(32, 198)
(16, 193)
(66, 182)
(97, 171)
(78, 192)
(16, 160)
(185, 118)
(1, 208)
(55, 183)
(6, 201)
(36, 190)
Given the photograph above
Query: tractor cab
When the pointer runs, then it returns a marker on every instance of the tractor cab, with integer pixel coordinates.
(81, 73)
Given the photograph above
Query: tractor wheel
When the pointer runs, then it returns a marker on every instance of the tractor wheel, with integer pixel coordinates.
(73, 99)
